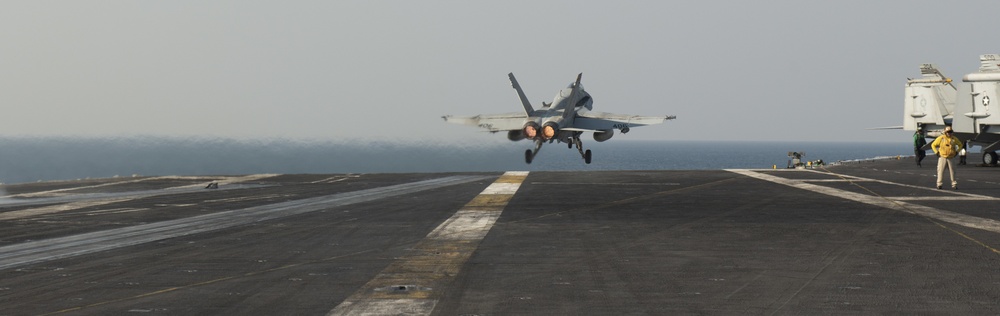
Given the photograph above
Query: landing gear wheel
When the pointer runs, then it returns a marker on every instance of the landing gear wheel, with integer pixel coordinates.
(586, 156)
(527, 156)
(990, 158)
(569, 145)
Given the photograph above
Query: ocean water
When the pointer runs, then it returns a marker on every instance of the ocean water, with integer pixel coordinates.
(43, 159)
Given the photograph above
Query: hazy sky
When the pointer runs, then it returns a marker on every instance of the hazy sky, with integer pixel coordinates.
(347, 70)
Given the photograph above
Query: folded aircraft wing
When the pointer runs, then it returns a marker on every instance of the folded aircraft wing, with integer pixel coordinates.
(491, 122)
(603, 121)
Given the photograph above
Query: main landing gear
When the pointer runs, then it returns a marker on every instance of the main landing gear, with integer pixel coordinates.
(990, 158)
(529, 154)
(579, 147)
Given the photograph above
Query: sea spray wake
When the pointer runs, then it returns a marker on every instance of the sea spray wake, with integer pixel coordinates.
(24, 159)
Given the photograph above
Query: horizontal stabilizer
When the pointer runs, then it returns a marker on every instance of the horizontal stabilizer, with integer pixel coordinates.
(491, 122)
(603, 121)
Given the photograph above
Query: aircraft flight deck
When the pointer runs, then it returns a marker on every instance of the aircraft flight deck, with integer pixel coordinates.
(870, 238)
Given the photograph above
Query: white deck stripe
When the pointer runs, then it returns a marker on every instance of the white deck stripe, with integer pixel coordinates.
(886, 202)
(858, 179)
(459, 236)
(941, 198)
(501, 188)
(838, 180)
(466, 225)
(77, 201)
(222, 180)
(75, 245)
(56, 208)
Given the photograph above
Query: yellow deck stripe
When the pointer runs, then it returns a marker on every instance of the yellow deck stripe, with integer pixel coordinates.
(413, 284)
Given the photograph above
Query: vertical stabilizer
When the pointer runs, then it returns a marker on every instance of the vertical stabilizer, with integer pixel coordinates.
(976, 109)
(929, 100)
(569, 110)
(520, 94)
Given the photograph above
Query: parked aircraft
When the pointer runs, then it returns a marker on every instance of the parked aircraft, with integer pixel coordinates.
(933, 102)
(564, 120)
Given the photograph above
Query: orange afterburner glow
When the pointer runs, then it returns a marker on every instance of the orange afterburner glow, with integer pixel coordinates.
(548, 131)
(530, 131)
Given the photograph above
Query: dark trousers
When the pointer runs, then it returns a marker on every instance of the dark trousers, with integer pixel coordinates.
(919, 154)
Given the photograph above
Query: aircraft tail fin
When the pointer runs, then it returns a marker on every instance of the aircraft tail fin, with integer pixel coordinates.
(576, 89)
(520, 94)
(980, 92)
(929, 100)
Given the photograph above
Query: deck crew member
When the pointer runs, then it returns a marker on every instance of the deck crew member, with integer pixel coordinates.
(946, 147)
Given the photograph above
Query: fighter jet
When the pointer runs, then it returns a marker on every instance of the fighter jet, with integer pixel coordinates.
(933, 102)
(564, 120)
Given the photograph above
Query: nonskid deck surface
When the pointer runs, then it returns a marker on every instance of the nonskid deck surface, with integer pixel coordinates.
(873, 237)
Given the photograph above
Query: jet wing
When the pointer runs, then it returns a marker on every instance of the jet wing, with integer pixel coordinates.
(491, 122)
(604, 121)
